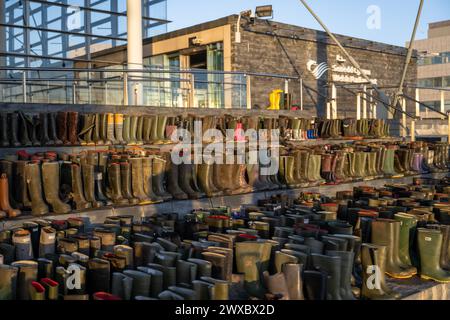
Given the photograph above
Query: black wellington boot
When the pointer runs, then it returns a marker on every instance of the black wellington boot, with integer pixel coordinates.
(23, 131)
(98, 276)
(4, 130)
(346, 273)
(332, 266)
(53, 130)
(14, 130)
(315, 285)
(28, 272)
(44, 129)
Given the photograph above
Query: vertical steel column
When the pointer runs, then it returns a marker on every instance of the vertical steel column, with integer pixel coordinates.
(26, 32)
(135, 50)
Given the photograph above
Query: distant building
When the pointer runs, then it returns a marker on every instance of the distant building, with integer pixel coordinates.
(434, 66)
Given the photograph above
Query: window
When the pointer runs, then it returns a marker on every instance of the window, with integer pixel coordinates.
(441, 58)
(439, 82)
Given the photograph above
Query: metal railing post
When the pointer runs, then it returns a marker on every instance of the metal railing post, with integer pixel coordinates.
(125, 89)
(192, 91)
(358, 106)
(24, 86)
(301, 94)
(74, 93)
(286, 86)
(334, 112)
(249, 91)
(413, 130)
(418, 103)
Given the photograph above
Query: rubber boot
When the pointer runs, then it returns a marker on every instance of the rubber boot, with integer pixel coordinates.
(118, 128)
(140, 131)
(125, 177)
(252, 258)
(347, 259)
(78, 197)
(98, 275)
(89, 185)
(103, 130)
(86, 133)
(72, 128)
(185, 178)
(172, 182)
(408, 224)
(21, 240)
(277, 285)
(51, 288)
(27, 273)
(161, 130)
(50, 179)
(23, 131)
(148, 181)
(205, 180)
(137, 180)
(4, 130)
(430, 247)
(332, 266)
(115, 185)
(5, 205)
(374, 266)
(8, 168)
(62, 123)
(158, 178)
(221, 178)
(96, 132)
(8, 282)
(384, 234)
(133, 130)
(14, 130)
(21, 192)
(53, 129)
(110, 129)
(33, 176)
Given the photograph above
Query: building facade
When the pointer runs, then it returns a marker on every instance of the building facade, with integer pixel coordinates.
(434, 67)
(274, 48)
(36, 33)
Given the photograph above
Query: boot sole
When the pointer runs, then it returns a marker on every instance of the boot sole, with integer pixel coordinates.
(400, 277)
(433, 279)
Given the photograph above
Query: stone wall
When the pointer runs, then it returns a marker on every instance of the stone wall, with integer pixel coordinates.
(261, 51)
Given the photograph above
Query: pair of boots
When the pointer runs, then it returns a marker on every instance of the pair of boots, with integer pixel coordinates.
(388, 233)
(182, 181)
(330, 128)
(314, 169)
(99, 129)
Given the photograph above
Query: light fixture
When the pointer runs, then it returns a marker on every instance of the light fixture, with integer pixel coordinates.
(264, 11)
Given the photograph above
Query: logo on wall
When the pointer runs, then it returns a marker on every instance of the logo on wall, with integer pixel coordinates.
(340, 72)
(317, 70)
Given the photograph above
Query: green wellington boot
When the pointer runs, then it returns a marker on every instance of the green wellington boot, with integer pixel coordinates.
(387, 233)
(96, 134)
(8, 282)
(126, 129)
(85, 135)
(77, 193)
(332, 266)
(148, 181)
(114, 191)
(140, 131)
(173, 182)
(205, 180)
(89, 185)
(50, 181)
(33, 175)
(373, 258)
(133, 130)
(28, 272)
(430, 247)
(119, 128)
(347, 259)
(252, 259)
(125, 178)
(407, 225)
(137, 180)
(159, 176)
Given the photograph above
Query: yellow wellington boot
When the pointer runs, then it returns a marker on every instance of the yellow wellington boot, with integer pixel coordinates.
(275, 99)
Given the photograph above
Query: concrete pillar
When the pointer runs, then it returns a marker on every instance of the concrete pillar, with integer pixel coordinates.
(135, 51)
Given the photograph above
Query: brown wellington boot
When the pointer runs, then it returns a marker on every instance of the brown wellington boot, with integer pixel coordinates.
(206, 181)
(34, 182)
(137, 180)
(147, 180)
(4, 198)
(114, 191)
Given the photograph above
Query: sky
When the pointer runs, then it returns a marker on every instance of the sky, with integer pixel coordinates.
(357, 18)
